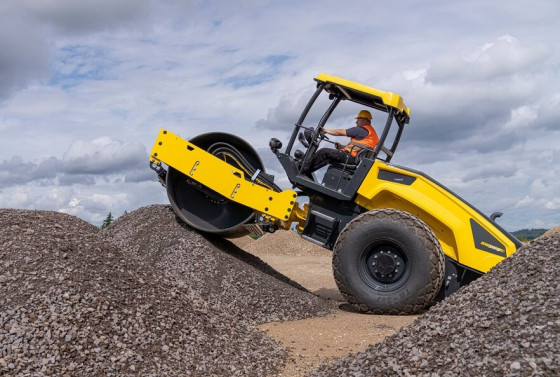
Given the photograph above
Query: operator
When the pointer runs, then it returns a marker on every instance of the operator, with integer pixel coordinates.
(361, 135)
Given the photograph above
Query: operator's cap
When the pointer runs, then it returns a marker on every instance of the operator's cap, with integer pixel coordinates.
(364, 114)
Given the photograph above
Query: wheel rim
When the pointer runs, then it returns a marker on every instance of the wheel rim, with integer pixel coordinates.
(384, 266)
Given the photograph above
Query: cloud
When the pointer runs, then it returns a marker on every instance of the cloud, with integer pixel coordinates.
(94, 202)
(84, 162)
(84, 86)
(25, 52)
(478, 102)
(284, 115)
(502, 58)
(103, 155)
(542, 198)
(522, 118)
(29, 29)
(89, 202)
(93, 178)
(492, 171)
(553, 204)
(484, 101)
(548, 113)
(85, 16)
(16, 171)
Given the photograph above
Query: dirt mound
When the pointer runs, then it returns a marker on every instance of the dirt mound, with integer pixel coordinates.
(74, 303)
(227, 277)
(504, 324)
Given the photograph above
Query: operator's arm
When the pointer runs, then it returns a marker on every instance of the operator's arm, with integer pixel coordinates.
(335, 131)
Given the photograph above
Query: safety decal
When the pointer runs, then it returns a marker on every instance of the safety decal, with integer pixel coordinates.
(485, 241)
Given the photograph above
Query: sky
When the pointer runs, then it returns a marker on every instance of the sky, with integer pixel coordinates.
(85, 87)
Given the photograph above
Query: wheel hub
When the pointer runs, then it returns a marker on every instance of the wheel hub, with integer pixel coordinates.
(385, 265)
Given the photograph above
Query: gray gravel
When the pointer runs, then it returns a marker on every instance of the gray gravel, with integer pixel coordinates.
(150, 297)
(507, 323)
(225, 276)
(76, 303)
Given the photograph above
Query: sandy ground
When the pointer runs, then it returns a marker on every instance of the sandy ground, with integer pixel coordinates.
(316, 340)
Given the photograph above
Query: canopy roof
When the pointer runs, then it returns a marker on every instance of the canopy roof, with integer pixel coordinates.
(364, 95)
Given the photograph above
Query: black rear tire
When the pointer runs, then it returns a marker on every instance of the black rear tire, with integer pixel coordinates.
(388, 261)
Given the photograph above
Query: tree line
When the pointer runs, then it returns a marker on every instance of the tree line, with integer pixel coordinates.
(528, 234)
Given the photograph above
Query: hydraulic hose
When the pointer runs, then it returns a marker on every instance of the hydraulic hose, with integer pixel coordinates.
(227, 151)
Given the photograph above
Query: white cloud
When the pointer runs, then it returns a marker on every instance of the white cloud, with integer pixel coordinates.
(504, 57)
(542, 189)
(103, 155)
(553, 204)
(415, 74)
(101, 160)
(524, 202)
(522, 117)
(85, 87)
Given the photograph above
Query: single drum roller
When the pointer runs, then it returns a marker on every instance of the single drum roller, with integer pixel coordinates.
(203, 208)
(400, 240)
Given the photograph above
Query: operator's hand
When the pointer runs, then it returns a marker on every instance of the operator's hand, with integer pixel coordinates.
(338, 146)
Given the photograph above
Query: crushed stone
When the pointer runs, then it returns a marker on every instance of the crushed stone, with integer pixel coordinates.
(224, 275)
(76, 302)
(506, 323)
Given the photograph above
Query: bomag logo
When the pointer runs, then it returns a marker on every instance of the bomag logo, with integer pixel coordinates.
(495, 248)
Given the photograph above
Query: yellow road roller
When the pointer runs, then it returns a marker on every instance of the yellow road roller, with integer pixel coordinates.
(400, 240)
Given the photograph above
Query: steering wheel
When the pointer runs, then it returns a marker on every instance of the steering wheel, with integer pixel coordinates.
(316, 139)
(302, 140)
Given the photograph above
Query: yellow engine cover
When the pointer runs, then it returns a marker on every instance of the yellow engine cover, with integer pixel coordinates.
(465, 234)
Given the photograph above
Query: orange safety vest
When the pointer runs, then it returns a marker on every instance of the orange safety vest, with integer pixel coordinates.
(370, 141)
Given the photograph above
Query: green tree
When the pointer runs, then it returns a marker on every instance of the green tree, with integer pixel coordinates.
(528, 234)
(108, 220)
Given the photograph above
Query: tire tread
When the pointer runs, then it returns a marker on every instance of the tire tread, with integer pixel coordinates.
(422, 230)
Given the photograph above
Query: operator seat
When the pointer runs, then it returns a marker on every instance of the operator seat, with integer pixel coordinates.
(351, 167)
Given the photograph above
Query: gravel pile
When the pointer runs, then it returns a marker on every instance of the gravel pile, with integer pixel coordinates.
(76, 304)
(551, 232)
(507, 323)
(148, 296)
(225, 276)
(284, 243)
